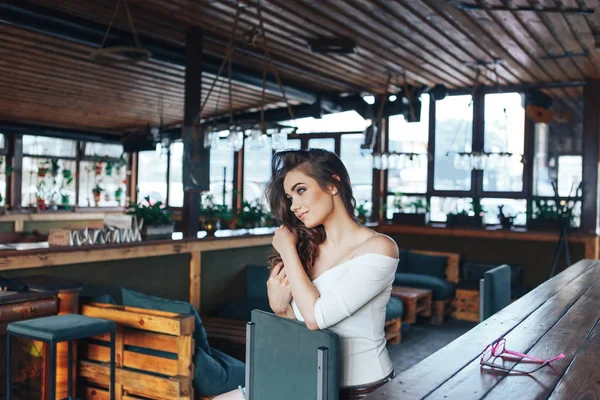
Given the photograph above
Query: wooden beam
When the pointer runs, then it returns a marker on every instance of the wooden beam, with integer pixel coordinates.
(591, 148)
(15, 157)
(195, 272)
(196, 159)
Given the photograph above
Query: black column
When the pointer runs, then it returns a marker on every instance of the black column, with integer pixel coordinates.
(591, 131)
(196, 159)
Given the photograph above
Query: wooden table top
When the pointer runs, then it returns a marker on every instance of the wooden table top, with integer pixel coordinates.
(409, 292)
(559, 316)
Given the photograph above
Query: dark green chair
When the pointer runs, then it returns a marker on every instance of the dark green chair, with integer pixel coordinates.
(494, 291)
(286, 360)
(55, 329)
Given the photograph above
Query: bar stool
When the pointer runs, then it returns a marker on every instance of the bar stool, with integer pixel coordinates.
(55, 329)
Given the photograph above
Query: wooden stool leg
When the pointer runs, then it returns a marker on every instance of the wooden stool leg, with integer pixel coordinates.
(112, 366)
(52, 385)
(69, 372)
(8, 369)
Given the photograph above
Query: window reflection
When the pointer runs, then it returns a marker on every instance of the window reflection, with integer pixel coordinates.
(504, 132)
(453, 133)
(409, 176)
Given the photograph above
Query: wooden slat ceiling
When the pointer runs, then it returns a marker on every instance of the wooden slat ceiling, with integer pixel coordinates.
(428, 41)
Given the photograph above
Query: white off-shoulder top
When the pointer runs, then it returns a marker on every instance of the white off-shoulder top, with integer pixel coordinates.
(353, 297)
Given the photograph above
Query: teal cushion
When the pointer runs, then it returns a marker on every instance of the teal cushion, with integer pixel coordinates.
(60, 328)
(135, 299)
(242, 309)
(103, 298)
(394, 309)
(256, 281)
(416, 263)
(441, 289)
(217, 373)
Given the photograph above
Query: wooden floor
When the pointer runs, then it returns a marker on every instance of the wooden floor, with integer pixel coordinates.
(422, 339)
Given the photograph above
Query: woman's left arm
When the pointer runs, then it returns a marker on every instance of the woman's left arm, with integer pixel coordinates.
(303, 291)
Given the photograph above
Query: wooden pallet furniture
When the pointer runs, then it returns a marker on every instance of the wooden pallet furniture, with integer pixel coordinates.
(466, 305)
(442, 308)
(139, 374)
(393, 330)
(416, 302)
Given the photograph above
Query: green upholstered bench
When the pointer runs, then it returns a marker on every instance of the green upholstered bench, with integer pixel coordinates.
(434, 270)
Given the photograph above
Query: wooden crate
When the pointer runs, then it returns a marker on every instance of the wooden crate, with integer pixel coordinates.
(467, 305)
(140, 375)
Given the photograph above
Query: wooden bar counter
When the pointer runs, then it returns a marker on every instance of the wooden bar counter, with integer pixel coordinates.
(35, 255)
(559, 316)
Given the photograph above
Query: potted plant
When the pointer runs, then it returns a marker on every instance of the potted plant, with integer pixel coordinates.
(410, 212)
(546, 215)
(118, 194)
(213, 216)
(251, 215)
(65, 197)
(54, 167)
(98, 168)
(97, 191)
(66, 173)
(109, 168)
(158, 223)
(40, 196)
(362, 213)
(42, 169)
(120, 164)
(471, 216)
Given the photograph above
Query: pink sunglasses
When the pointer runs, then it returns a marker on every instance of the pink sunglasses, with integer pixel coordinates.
(498, 349)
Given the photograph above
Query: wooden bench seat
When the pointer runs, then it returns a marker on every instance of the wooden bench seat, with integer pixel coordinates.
(442, 308)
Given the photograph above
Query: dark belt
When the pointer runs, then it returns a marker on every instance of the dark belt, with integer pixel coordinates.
(360, 391)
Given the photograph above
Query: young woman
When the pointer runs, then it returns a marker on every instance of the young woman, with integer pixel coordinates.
(329, 271)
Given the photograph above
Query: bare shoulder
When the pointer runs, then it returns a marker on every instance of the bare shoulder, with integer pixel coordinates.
(378, 244)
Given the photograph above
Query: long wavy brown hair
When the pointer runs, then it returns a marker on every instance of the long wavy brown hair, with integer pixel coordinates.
(328, 170)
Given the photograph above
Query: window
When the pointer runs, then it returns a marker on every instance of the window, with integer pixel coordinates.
(510, 207)
(442, 206)
(152, 176)
(294, 144)
(257, 171)
(347, 121)
(504, 132)
(453, 133)
(409, 174)
(404, 204)
(221, 173)
(557, 158)
(48, 172)
(102, 170)
(359, 166)
(176, 175)
(322, 143)
(570, 175)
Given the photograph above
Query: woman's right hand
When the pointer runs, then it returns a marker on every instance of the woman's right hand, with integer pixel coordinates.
(278, 289)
